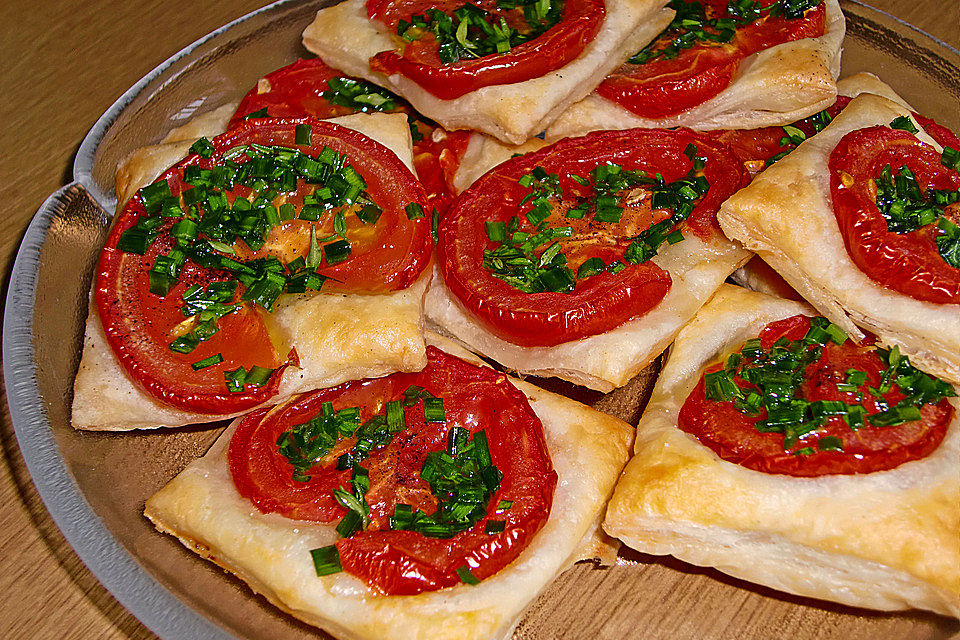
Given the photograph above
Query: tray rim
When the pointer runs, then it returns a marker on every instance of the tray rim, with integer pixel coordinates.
(115, 567)
(118, 570)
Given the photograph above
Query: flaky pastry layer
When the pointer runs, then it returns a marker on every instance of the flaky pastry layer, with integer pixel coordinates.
(345, 38)
(786, 216)
(887, 540)
(776, 86)
(271, 553)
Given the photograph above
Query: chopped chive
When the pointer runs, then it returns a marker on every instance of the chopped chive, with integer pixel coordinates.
(326, 560)
(396, 417)
(202, 147)
(369, 213)
(433, 410)
(235, 379)
(414, 211)
(496, 231)
(829, 443)
(216, 358)
(466, 576)
(904, 123)
(302, 134)
(336, 252)
(494, 526)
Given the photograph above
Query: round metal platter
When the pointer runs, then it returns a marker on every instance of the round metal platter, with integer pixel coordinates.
(95, 484)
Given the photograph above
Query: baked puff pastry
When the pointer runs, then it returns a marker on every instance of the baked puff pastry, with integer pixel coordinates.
(775, 86)
(272, 554)
(345, 38)
(338, 337)
(605, 359)
(786, 216)
(608, 360)
(885, 540)
(756, 274)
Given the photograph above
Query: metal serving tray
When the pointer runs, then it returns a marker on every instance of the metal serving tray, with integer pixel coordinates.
(95, 484)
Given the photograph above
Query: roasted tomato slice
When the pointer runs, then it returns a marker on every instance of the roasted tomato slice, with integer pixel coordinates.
(580, 236)
(878, 164)
(308, 87)
(759, 148)
(186, 278)
(298, 90)
(842, 407)
(443, 66)
(394, 558)
(669, 76)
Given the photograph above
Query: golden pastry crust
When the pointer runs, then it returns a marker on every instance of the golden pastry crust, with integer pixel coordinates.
(886, 540)
(863, 82)
(850, 87)
(338, 337)
(346, 39)
(483, 153)
(776, 86)
(786, 216)
(144, 165)
(608, 360)
(271, 553)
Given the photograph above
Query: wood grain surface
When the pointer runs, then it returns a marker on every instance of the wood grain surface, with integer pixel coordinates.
(64, 63)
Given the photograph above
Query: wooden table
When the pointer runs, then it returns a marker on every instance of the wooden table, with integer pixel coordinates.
(64, 64)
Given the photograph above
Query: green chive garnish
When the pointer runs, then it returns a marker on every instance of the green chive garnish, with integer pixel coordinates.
(326, 560)
(216, 358)
(467, 577)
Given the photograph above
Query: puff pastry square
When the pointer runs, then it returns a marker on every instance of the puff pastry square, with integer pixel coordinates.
(776, 86)
(338, 337)
(271, 553)
(608, 360)
(887, 540)
(786, 216)
(345, 38)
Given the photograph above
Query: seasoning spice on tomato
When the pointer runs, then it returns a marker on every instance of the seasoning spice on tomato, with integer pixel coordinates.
(433, 478)
(308, 87)
(451, 48)
(557, 245)
(697, 55)
(197, 258)
(896, 204)
(804, 400)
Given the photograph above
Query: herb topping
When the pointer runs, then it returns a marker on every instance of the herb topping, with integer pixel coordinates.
(533, 261)
(769, 381)
(470, 32)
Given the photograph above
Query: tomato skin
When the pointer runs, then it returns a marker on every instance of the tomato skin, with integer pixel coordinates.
(598, 303)
(405, 562)
(755, 147)
(733, 436)
(139, 325)
(419, 61)
(437, 161)
(297, 90)
(666, 87)
(909, 263)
